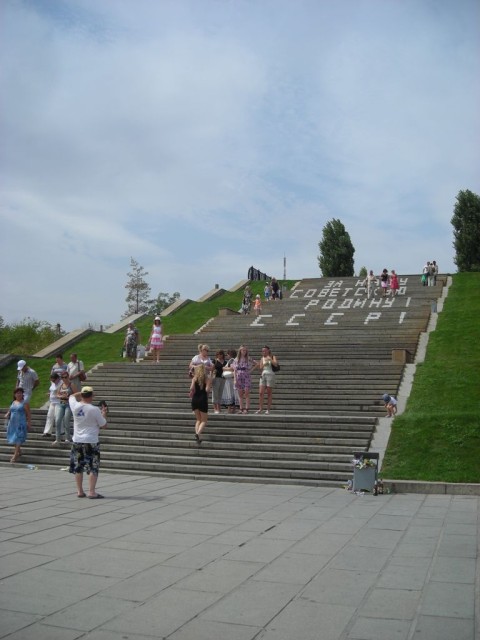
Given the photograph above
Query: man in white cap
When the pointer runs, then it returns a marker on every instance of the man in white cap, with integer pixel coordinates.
(27, 379)
(88, 419)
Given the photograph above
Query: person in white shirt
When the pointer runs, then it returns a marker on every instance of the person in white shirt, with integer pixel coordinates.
(88, 419)
(27, 379)
(52, 412)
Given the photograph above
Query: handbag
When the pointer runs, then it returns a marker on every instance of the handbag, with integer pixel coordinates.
(82, 376)
(227, 374)
(275, 368)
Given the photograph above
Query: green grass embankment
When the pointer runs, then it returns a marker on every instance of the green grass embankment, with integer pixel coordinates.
(437, 438)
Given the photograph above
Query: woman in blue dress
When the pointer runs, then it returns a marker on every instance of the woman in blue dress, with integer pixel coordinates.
(19, 422)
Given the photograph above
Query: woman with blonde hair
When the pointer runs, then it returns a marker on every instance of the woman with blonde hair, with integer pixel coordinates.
(199, 389)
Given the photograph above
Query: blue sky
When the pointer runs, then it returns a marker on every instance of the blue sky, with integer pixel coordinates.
(205, 136)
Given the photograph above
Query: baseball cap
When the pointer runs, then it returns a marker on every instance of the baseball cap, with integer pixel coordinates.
(86, 390)
(386, 397)
(20, 364)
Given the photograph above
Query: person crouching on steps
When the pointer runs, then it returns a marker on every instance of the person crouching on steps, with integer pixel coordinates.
(199, 389)
(390, 404)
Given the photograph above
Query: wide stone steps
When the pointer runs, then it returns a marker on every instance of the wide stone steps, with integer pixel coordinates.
(294, 449)
(335, 348)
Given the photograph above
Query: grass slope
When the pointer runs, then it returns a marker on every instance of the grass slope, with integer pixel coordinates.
(438, 436)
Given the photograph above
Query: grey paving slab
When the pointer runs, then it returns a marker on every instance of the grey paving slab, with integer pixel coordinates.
(335, 586)
(442, 628)
(210, 630)
(191, 560)
(164, 613)
(327, 621)
(254, 603)
(379, 629)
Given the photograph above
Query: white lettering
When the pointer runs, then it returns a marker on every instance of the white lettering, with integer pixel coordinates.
(346, 304)
(372, 316)
(329, 320)
(359, 303)
(376, 303)
(329, 304)
(294, 293)
(312, 303)
(402, 317)
(310, 293)
(291, 322)
(257, 322)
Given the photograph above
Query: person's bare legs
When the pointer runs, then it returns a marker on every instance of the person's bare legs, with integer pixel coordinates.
(269, 398)
(261, 394)
(79, 483)
(92, 483)
(203, 423)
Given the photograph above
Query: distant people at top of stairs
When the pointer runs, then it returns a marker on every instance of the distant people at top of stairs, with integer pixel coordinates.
(275, 289)
(384, 282)
(394, 286)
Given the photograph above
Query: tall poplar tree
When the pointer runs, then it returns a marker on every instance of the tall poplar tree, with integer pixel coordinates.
(466, 234)
(336, 251)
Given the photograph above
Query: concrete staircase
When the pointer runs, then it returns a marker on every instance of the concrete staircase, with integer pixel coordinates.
(335, 349)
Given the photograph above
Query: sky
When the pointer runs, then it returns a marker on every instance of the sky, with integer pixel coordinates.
(202, 137)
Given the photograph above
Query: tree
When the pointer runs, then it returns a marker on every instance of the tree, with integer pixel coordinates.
(138, 290)
(161, 302)
(466, 225)
(363, 272)
(27, 336)
(336, 251)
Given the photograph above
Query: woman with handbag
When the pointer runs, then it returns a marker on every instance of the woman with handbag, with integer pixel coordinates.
(268, 364)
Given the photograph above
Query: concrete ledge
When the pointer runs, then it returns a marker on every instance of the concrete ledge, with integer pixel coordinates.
(63, 344)
(213, 293)
(441, 488)
(240, 285)
(124, 323)
(178, 304)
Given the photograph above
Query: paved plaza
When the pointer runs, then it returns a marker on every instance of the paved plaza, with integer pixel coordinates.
(197, 560)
